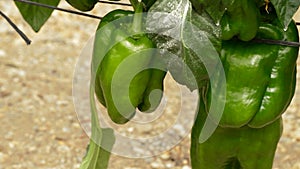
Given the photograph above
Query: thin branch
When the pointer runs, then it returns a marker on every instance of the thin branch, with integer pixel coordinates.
(276, 42)
(59, 9)
(24, 37)
(114, 3)
(266, 41)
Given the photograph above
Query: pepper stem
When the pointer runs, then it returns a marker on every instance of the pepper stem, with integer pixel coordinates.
(138, 17)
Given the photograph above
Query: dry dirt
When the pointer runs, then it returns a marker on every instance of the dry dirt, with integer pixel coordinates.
(39, 126)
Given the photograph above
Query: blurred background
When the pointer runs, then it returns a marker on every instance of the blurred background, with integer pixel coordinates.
(38, 124)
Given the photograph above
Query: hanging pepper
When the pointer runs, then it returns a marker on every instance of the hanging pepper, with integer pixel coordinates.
(112, 55)
(260, 80)
(234, 148)
(237, 18)
(241, 19)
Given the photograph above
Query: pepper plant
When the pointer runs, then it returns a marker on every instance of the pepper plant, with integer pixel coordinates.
(256, 41)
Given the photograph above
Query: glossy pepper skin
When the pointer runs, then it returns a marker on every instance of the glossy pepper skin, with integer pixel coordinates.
(260, 78)
(260, 83)
(112, 55)
(237, 18)
(154, 91)
(83, 5)
(234, 148)
(241, 19)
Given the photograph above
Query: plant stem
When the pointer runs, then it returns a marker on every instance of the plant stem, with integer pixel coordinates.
(138, 17)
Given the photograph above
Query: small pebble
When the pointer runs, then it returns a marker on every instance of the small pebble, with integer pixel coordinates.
(63, 148)
(9, 135)
(170, 165)
(2, 53)
(186, 167)
(185, 161)
(146, 128)
(165, 156)
(130, 129)
(66, 129)
(180, 129)
(62, 103)
(3, 157)
(157, 165)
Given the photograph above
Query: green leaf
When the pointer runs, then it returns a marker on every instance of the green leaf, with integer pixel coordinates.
(215, 8)
(285, 10)
(36, 16)
(181, 29)
(83, 5)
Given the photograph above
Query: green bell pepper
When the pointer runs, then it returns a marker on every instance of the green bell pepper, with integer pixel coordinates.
(241, 19)
(234, 148)
(237, 18)
(142, 84)
(153, 93)
(260, 78)
(260, 83)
